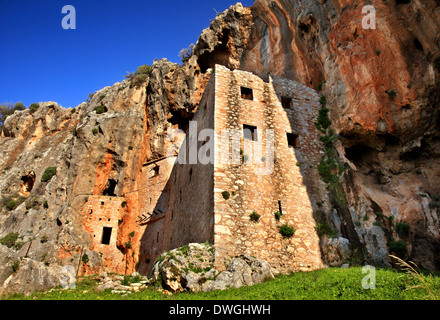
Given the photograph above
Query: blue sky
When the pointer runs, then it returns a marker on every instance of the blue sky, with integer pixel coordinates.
(40, 61)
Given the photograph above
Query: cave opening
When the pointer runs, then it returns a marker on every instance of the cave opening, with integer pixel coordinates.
(27, 182)
(110, 188)
(220, 54)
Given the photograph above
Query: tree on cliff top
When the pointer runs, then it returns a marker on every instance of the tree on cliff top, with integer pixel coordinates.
(186, 53)
(140, 76)
(6, 109)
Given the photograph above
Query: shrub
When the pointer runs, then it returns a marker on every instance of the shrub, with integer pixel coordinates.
(131, 234)
(9, 240)
(278, 215)
(140, 76)
(323, 228)
(391, 94)
(85, 258)
(33, 107)
(127, 244)
(15, 266)
(48, 174)
(255, 216)
(319, 86)
(11, 205)
(402, 229)
(399, 247)
(45, 205)
(226, 195)
(95, 131)
(286, 231)
(100, 109)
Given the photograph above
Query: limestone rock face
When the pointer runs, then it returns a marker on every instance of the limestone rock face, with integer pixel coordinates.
(191, 268)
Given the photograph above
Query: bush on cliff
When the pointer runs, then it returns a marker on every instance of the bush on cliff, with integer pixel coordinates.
(48, 174)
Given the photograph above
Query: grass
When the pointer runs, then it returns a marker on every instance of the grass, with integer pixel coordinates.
(325, 284)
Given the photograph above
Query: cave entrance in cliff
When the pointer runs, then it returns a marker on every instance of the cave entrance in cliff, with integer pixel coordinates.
(27, 182)
(106, 235)
(110, 188)
(219, 55)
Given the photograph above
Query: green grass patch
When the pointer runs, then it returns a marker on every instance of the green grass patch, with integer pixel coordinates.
(325, 284)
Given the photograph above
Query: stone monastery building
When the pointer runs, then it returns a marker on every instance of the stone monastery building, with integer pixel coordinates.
(263, 150)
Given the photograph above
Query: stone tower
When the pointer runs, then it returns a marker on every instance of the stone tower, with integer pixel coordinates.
(247, 168)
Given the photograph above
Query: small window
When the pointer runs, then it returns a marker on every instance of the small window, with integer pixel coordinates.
(250, 132)
(286, 102)
(280, 209)
(156, 171)
(247, 93)
(292, 140)
(106, 235)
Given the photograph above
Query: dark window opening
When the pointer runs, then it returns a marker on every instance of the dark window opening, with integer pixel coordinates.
(110, 188)
(250, 132)
(280, 209)
(190, 174)
(247, 93)
(102, 203)
(106, 235)
(292, 140)
(285, 101)
(155, 170)
(157, 238)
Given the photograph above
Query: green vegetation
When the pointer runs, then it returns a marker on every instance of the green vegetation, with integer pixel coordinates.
(391, 94)
(323, 228)
(11, 202)
(399, 247)
(226, 195)
(95, 131)
(140, 76)
(9, 239)
(33, 107)
(48, 174)
(85, 258)
(287, 231)
(100, 109)
(15, 266)
(402, 229)
(319, 85)
(325, 284)
(255, 216)
(278, 215)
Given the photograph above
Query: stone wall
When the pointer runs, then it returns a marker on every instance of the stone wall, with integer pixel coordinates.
(281, 189)
(190, 203)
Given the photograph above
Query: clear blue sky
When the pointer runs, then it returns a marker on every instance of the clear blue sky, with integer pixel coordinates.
(40, 61)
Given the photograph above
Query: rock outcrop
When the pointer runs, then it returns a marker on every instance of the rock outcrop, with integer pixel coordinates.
(191, 268)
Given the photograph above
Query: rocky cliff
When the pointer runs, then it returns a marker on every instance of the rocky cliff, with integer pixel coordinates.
(380, 86)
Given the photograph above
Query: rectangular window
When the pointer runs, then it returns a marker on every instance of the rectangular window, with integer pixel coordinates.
(250, 132)
(246, 93)
(286, 101)
(292, 140)
(106, 235)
